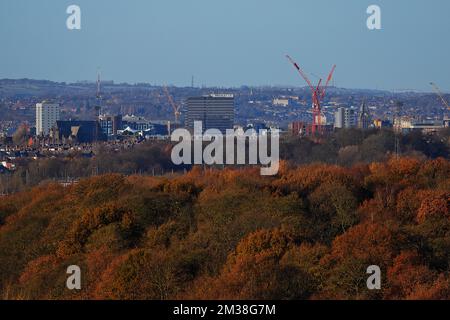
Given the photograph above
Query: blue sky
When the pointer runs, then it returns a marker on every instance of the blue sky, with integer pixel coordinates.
(228, 42)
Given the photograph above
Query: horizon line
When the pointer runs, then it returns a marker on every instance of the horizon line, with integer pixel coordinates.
(203, 86)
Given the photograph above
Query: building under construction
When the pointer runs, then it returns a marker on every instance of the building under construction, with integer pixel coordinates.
(318, 93)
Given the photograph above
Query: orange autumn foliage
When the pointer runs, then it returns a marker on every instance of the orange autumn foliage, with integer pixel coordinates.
(309, 232)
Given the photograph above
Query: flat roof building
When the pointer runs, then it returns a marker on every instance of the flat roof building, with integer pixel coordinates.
(46, 116)
(345, 118)
(78, 131)
(110, 124)
(215, 111)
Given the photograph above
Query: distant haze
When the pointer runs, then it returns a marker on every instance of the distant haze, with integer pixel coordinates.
(228, 42)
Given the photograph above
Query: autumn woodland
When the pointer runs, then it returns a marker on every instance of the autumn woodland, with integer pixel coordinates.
(308, 233)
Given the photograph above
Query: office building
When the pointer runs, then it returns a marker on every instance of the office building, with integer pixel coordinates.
(280, 102)
(110, 124)
(46, 116)
(345, 118)
(379, 123)
(405, 125)
(339, 118)
(215, 111)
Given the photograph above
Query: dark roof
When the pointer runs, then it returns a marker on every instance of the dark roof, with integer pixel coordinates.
(84, 131)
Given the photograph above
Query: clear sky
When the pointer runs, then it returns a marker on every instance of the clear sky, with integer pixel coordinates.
(228, 42)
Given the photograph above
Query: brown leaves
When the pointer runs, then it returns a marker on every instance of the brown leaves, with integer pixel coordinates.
(434, 204)
(308, 233)
(373, 243)
(409, 278)
(254, 271)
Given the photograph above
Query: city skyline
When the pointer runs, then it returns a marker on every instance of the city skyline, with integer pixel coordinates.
(228, 44)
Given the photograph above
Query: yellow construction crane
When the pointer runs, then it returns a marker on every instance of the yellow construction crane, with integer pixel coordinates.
(176, 109)
(439, 93)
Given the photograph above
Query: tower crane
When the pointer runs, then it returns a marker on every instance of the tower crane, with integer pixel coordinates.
(317, 94)
(330, 76)
(176, 109)
(441, 96)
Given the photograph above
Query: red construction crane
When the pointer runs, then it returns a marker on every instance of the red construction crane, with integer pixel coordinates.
(330, 76)
(176, 109)
(317, 94)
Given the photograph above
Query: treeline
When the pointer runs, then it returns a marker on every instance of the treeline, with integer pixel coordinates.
(308, 233)
(151, 158)
(345, 147)
(351, 146)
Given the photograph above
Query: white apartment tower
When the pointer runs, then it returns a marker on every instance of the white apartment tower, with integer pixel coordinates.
(345, 118)
(46, 116)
